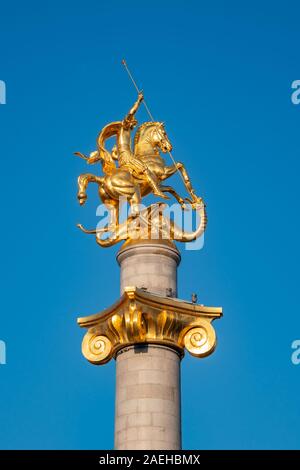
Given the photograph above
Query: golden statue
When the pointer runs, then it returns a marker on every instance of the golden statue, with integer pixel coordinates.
(140, 171)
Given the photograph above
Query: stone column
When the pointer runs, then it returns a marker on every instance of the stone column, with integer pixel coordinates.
(147, 332)
(148, 414)
(150, 264)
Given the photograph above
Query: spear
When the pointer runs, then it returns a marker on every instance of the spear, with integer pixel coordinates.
(148, 111)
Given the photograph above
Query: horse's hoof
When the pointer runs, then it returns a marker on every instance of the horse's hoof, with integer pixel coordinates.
(82, 198)
(199, 201)
(198, 204)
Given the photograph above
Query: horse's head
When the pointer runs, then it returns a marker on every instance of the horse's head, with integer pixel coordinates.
(149, 136)
(160, 139)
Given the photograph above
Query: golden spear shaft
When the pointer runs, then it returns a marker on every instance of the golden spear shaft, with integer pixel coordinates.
(148, 111)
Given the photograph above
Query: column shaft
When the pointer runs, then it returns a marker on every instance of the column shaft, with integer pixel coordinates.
(148, 398)
(150, 265)
(148, 375)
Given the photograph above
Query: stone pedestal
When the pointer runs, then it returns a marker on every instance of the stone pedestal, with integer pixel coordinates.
(147, 331)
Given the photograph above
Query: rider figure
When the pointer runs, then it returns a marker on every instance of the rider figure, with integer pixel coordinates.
(126, 158)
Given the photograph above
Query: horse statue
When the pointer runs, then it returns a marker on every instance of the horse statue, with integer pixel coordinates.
(140, 172)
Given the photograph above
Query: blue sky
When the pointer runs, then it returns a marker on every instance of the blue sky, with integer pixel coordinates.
(219, 74)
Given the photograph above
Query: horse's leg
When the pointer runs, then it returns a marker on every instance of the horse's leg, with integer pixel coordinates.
(135, 201)
(114, 216)
(83, 181)
(170, 170)
(180, 166)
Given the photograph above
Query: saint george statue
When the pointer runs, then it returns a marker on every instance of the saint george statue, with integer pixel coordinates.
(134, 172)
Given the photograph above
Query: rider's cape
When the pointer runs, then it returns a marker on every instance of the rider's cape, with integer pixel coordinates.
(108, 131)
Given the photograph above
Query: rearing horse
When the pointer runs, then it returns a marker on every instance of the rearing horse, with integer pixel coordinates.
(149, 139)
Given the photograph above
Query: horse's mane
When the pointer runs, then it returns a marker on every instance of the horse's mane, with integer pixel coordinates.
(142, 128)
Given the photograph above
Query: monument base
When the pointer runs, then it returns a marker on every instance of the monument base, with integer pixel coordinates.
(147, 331)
